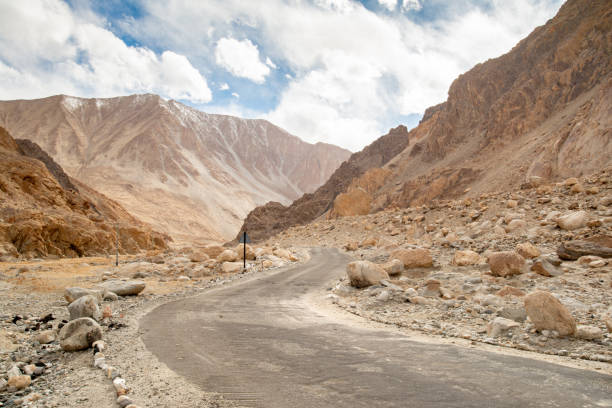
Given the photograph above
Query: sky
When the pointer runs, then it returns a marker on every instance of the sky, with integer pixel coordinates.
(334, 71)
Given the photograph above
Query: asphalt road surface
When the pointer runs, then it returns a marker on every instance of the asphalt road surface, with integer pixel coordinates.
(260, 344)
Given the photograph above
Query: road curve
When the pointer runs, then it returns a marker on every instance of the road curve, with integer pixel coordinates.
(259, 344)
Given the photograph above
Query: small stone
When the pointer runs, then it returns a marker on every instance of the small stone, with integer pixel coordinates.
(570, 181)
(46, 337)
(500, 326)
(112, 372)
(120, 386)
(597, 263)
(432, 288)
(85, 306)
(573, 250)
(510, 291)
(545, 268)
(414, 258)
(511, 203)
(20, 382)
(29, 369)
(393, 267)
(465, 258)
(110, 296)
(506, 263)
(107, 313)
(231, 267)
(589, 333)
(183, 278)
(99, 346)
(3, 384)
(123, 401)
(527, 250)
(79, 334)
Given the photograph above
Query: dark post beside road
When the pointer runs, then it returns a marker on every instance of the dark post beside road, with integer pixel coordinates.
(244, 240)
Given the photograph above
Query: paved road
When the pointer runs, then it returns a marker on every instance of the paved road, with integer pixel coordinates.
(258, 343)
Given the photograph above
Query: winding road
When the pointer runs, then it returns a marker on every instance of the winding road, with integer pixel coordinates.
(259, 343)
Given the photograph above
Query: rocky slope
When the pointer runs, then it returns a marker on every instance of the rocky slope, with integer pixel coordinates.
(45, 213)
(470, 268)
(274, 217)
(151, 155)
(543, 110)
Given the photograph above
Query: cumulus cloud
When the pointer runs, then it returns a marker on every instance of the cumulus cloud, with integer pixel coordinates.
(388, 4)
(60, 52)
(241, 59)
(224, 86)
(270, 63)
(411, 5)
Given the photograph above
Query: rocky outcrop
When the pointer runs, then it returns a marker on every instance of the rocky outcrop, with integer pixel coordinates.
(274, 217)
(39, 218)
(151, 154)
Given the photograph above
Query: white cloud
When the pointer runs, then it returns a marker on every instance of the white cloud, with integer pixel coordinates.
(270, 63)
(388, 4)
(241, 59)
(349, 71)
(411, 5)
(235, 95)
(60, 52)
(224, 86)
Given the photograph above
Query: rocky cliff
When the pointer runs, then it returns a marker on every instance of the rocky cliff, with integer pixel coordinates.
(273, 217)
(543, 109)
(40, 218)
(152, 155)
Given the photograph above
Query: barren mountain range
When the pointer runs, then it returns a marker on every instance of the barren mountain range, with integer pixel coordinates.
(542, 110)
(43, 212)
(187, 173)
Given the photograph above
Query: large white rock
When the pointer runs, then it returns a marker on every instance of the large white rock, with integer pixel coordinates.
(365, 273)
(79, 334)
(72, 294)
(572, 220)
(123, 288)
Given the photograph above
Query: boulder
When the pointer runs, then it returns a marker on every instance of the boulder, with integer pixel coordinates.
(467, 257)
(212, 251)
(506, 263)
(85, 306)
(500, 326)
(393, 267)
(572, 220)
(414, 258)
(365, 273)
(72, 294)
(545, 268)
(527, 250)
(250, 253)
(368, 242)
(198, 256)
(231, 267)
(282, 253)
(79, 334)
(516, 225)
(589, 333)
(124, 288)
(431, 289)
(573, 250)
(229, 255)
(546, 312)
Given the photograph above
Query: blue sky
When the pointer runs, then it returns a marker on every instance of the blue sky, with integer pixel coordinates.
(336, 71)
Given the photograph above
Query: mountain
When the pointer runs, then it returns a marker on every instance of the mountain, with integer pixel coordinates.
(185, 172)
(274, 217)
(43, 212)
(544, 109)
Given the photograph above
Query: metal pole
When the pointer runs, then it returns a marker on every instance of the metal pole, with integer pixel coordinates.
(244, 253)
(117, 244)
